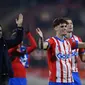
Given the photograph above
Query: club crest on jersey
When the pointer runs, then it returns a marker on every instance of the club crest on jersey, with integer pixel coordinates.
(73, 40)
(63, 56)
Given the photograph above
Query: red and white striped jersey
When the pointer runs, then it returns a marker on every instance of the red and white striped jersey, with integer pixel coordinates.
(59, 60)
(75, 53)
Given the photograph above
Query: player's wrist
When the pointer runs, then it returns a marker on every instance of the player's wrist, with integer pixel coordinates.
(19, 25)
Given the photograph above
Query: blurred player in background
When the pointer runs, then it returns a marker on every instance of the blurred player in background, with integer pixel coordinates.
(75, 52)
(20, 60)
(5, 64)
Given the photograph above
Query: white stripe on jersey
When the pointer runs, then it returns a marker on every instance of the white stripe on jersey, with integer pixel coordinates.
(75, 51)
(63, 71)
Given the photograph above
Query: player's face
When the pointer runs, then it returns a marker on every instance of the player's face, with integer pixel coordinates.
(0, 32)
(70, 26)
(61, 29)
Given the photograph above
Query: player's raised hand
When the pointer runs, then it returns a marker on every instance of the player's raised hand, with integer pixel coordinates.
(39, 32)
(19, 21)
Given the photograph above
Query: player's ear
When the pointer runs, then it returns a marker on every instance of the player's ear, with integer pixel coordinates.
(56, 28)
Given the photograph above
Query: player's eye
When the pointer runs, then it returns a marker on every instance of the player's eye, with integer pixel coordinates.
(63, 26)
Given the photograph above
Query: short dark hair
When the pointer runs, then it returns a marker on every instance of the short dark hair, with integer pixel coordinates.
(58, 21)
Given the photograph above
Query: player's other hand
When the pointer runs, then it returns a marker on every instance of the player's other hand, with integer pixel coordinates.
(39, 32)
(19, 20)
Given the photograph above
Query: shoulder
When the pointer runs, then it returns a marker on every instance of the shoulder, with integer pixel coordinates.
(77, 38)
(50, 41)
(50, 38)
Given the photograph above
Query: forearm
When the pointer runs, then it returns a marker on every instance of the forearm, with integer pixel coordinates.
(32, 42)
(43, 44)
(82, 57)
(40, 43)
(12, 50)
(15, 41)
(19, 36)
(81, 45)
(19, 54)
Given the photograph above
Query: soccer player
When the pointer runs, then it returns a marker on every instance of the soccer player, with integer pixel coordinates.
(59, 54)
(75, 52)
(19, 65)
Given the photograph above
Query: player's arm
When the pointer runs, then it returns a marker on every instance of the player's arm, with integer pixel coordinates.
(33, 44)
(81, 44)
(42, 44)
(19, 33)
(76, 44)
(82, 57)
(82, 54)
(14, 52)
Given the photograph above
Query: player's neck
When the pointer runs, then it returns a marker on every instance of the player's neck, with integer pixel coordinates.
(69, 35)
(60, 37)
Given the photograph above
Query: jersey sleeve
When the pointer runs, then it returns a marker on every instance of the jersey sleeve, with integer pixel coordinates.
(74, 44)
(11, 50)
(81, 50)
(50, 42)
(32, 42)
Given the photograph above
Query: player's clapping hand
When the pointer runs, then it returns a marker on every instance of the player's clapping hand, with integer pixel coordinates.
(39, 32)
(19, 20)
